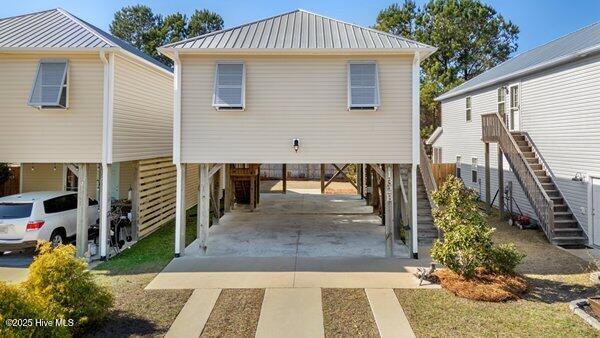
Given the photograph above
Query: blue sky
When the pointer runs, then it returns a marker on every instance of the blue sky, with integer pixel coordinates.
(539, 20)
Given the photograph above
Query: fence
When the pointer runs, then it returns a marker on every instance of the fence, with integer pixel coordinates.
(11, 187)
(441, 172)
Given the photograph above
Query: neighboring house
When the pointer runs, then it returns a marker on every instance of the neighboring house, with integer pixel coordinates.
(83, 110)
(549, 101)
(337, 92)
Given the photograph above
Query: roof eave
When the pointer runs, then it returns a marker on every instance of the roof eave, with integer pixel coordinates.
(425, 52)
(533, 69)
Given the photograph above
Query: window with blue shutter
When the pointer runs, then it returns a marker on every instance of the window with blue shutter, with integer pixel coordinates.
(51, 85)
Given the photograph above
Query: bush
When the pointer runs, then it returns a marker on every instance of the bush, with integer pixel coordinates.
(17, 304)
(467, 242)
(504, 258)
(66, 288)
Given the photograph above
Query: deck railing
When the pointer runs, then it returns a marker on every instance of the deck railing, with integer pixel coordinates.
(495, 131)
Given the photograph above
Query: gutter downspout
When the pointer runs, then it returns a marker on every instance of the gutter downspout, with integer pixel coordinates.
(181, 172)
(107, 111)
(416, 148)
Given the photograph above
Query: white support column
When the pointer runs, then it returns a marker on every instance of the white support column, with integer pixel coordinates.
(104, 208)
(204, 206)
(413, 214)
(180, 210)
(82, 210)
(416, 148)
(389, 210)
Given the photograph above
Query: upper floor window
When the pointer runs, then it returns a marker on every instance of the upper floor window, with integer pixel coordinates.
(363, 85)
(468, 108)
(50, 88)
(229, 90)
(501, 101)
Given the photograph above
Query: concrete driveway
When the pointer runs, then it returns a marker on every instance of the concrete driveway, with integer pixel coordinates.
(15, 266)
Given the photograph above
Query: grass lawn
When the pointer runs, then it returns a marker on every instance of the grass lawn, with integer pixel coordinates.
(140, 312)
(555, 276)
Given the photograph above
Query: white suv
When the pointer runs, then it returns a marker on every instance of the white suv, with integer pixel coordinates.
(45, 215)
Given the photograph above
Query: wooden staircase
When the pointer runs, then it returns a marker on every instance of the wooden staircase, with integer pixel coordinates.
(427, 231)
(554, 215)
(567, 230)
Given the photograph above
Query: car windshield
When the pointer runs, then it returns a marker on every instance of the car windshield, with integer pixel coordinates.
(15, 210)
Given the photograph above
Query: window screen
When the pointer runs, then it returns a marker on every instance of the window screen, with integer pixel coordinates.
(50, 85)
(501, 100)
(229, 85)
(363, 85)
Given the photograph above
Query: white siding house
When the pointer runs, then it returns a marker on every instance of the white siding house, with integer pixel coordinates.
(551, 94)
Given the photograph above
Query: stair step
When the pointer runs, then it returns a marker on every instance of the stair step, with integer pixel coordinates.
(563, 215)
(536, 166)
(560, 207)
(526, 148)
(569, 240)
(553, 193)
(549, 186)
(545, 179)
(565, 223)
(531, 160)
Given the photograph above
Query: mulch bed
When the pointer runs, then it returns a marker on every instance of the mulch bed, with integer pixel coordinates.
(235, 314)
(483, 286)
(347, 313)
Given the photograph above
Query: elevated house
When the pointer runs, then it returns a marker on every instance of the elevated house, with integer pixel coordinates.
(298, 88)
(530, 128)
(83, 110)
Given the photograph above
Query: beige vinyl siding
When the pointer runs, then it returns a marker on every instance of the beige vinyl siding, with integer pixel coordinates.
(36, 135)
(143, 111)
(44, 177)
(462, 138)
(560, 109)
(302, 97)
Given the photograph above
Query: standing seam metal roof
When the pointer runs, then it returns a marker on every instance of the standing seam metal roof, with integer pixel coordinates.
(298, 29)
(584, 40)
(58, 29)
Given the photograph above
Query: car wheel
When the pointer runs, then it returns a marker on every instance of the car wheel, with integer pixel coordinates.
(57, 238)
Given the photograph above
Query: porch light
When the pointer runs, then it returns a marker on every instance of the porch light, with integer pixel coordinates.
(296, 144)
(54, 167)
(32, 168)
(578, 177)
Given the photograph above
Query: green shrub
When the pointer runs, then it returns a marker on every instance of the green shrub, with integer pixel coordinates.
(467, 238)
(64, 285)
(504, 258)
(15, 304)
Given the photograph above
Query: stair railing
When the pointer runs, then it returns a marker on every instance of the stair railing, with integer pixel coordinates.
(427, 174)
(495, 131)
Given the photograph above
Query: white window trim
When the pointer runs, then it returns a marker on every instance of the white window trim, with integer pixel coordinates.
(501, 89)
(218, 106)
(377, 96)
(51, 105)
(469, 108)
(474, 168)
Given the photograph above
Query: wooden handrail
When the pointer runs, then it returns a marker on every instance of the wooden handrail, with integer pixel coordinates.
(427, 174)
(495, 131)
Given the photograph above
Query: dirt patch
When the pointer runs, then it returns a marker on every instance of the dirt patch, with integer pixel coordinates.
(139, 312)
(347, 313)
(483, 286)
(235, 314)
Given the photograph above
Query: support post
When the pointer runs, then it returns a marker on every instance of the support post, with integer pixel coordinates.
(180, 218)
(322, 178)
(389, 210)
(228, 186)
(83, 222)
(397, 201)
(488, 197)
(359, 179)
(501, 182)
(104, 208)
(413, 208)
(284, 178)
(369, 184)
(203, 206)
(375, 200)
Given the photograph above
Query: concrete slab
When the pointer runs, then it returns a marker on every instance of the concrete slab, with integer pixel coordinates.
(194, 314)
(291, 313)
(389, 316)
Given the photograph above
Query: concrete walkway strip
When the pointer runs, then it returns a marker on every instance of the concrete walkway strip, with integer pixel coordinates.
(388, 314)
(291, 313)
(192, 318)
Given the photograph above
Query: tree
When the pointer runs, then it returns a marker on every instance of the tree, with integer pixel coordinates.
(132, 23)
(471, 37)
(147, 31)
(204, 22)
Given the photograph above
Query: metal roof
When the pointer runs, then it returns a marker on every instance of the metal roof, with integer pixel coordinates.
(60, 30)
(564, 49)
(299, 30)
